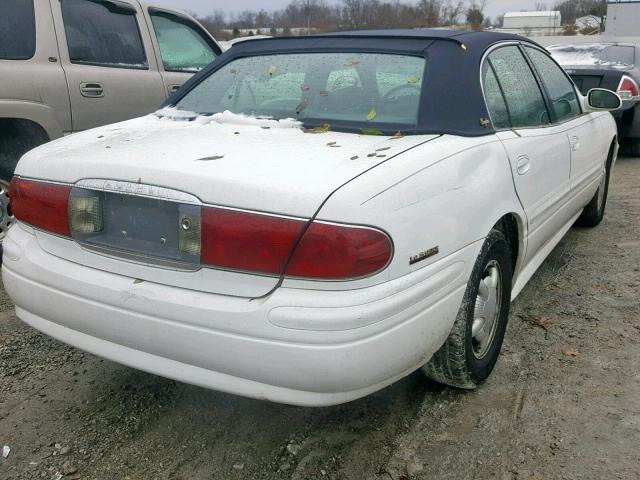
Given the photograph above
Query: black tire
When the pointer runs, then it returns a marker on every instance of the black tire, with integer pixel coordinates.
(457, 363)
(17, 137)
(593, 213)
(631, 147)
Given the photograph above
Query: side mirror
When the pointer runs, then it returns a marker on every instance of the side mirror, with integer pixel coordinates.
(602, 99)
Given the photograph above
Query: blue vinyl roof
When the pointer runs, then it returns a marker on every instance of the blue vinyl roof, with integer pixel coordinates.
(452, 100)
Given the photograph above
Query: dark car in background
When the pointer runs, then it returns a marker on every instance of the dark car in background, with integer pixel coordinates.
(614, 66)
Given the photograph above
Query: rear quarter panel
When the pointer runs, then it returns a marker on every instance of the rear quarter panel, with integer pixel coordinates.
(446, 193)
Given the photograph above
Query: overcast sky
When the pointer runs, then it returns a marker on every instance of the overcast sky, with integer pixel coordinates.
(204, 7)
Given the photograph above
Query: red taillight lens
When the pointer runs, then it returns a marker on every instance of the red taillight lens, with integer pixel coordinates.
(251, 242)
(628, 88)
(247, 241)
(41, 205)
(339, 252)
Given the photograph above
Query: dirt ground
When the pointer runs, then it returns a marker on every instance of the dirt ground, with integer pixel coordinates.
(563, 403)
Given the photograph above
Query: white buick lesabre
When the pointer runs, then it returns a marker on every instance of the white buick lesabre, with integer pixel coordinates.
(311, 219)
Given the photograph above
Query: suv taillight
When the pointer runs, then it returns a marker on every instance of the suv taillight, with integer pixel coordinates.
(628, 88)
(42, 205)
(224, 238)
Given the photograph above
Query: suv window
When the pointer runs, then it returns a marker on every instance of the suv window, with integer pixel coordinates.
(17, 30)
(103, 33)
(560, 91)
(183, 47)
(522, 94)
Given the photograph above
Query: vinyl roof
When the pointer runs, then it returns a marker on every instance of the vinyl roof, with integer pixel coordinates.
(453, 102)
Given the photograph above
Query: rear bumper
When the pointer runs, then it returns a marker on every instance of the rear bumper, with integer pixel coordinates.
(285, 348)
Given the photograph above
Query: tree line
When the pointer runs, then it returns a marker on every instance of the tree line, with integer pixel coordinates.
(320, 16)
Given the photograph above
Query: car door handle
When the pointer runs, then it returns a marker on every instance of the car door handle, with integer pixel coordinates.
(92, 90)
(173, 89)
(523, 164)
(575, 143)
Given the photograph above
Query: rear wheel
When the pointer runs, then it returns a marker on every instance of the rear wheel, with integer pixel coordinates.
(631, 147)
(6, 217)
(17, 137)
(468, 356)
(593, 213)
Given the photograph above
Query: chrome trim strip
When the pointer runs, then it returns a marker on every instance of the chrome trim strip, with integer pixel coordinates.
(138, 190)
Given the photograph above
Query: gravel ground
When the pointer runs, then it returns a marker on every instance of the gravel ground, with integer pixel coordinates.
(564, 401)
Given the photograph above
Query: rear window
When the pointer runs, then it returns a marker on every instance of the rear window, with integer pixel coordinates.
(361, 90)
(622, 56)
(17, 30)
(103, 33)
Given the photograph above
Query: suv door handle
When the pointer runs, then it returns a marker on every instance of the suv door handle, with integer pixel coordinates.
(173, 89)
(92, 90)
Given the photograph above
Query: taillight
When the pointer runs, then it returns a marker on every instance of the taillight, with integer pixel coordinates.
(41, 205)
(258, 243)
(628, 88)
(210, 236)
(245, 241)
(329, 251)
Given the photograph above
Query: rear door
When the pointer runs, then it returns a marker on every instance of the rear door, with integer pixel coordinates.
(30, 69)
(538, 150)
(182, 46)
(109, 63)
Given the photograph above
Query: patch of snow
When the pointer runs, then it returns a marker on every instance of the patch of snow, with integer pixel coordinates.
(228, 118)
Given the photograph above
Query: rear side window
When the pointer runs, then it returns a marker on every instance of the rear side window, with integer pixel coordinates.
(494, 98)
(183, 47)
(103, 33)
(560, 91)
(522, 94)
(17, 30)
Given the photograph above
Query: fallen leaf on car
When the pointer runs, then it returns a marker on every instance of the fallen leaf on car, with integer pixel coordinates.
(413, 80)
(138, 281)
(351, 63)
(371, 132)
(382, 149)
(354, 157)
(570, 352)
(333, 144)
(397, 135)
(301, 107)
(324, 93)
(213, 157)
(305, 88)
(322, 129)
(272, 70)
(372, 115)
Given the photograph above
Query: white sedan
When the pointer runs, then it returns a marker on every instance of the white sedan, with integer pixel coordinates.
(311, 219)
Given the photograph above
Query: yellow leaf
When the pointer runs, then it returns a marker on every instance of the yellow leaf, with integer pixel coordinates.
(323, 129)
(372, 114)
(371, 132)
(413, 80)
(272, 70)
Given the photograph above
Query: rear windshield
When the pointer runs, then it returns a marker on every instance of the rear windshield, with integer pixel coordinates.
(17, 30)
(594, 54)
(362, 90)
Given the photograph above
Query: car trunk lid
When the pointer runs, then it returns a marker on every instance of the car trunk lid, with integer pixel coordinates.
(269, 166)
